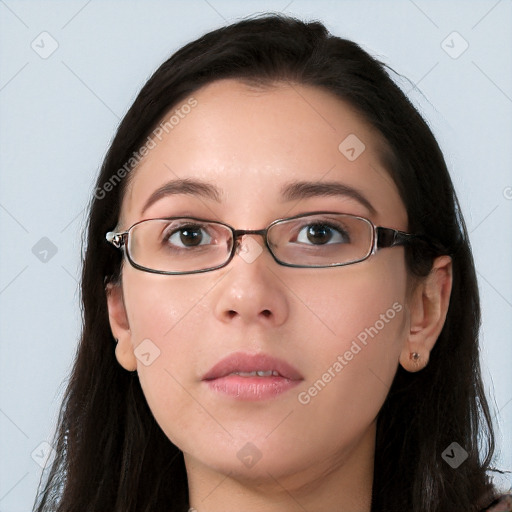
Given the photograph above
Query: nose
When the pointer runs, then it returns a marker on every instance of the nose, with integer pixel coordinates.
(251, 290)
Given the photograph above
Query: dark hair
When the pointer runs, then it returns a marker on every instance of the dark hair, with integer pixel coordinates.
(110, 452)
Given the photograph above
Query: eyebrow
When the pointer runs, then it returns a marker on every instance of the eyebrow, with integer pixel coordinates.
(292, 191)
(305, 189)
(188, 186)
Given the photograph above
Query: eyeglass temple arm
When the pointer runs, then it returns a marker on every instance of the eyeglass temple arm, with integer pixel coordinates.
(116, 239)
(387, 237)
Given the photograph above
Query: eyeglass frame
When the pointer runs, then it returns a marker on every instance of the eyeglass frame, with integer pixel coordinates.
(382, 238)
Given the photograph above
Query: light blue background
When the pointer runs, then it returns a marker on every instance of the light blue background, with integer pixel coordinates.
(59, 114)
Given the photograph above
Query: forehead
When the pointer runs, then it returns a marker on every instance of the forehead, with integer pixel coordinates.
(250, 141)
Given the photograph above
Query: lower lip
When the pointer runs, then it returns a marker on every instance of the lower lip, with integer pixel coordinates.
(251, 388)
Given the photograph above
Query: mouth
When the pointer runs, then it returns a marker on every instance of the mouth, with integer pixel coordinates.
(252, 377)
(252, 365)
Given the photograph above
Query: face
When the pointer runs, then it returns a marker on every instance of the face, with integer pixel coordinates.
(341, 328)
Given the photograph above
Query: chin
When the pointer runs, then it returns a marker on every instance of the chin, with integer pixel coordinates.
(250, 461)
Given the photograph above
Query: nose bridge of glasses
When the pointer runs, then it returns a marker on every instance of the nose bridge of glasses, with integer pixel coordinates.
(242, 232)
(239, 233)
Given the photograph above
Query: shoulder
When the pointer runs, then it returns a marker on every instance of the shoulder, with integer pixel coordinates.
(501, 504)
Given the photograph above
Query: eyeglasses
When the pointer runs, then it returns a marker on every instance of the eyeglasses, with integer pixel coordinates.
(187, 245)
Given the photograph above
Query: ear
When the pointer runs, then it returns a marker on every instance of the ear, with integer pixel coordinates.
(120, 326)
(428, 307)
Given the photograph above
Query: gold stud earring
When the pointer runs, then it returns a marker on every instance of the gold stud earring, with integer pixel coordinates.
(414, 356)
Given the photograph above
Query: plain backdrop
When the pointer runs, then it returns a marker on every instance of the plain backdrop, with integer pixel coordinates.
(70, 70)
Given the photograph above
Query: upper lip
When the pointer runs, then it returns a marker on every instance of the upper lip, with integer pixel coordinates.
(242, 362)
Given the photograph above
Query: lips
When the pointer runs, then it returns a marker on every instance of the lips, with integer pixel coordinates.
(241, 363)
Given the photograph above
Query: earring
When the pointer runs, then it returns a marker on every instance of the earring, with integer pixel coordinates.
(414, 356)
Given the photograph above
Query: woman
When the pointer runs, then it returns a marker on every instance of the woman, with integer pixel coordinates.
(280, 303)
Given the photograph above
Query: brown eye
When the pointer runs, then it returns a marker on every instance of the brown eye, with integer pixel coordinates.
(191, 235)
(322, 233)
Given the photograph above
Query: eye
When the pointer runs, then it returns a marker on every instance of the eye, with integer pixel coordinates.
(190, 235)
(321, 233)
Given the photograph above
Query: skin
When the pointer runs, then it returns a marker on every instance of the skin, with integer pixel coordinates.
(317, 456)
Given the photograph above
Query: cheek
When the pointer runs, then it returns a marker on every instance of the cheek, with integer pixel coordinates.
(167, 323)
(362, 303)
(158, 304)
(363, 330)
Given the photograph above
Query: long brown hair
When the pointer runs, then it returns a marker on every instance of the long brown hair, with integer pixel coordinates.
(111, 454)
